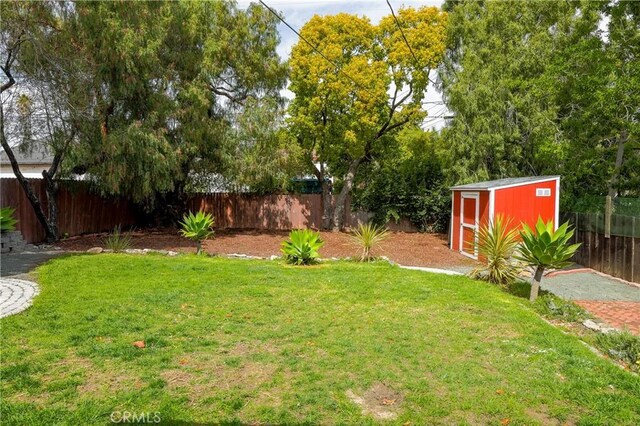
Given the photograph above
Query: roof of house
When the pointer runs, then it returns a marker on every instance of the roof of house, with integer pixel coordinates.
(36, 153)
(498, 183)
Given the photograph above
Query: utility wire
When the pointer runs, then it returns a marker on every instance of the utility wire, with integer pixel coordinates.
(336, 66)
(404, 37)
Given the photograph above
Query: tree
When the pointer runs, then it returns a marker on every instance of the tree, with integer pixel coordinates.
(140, 96)
(341, 116)
(173, 79)
(544, 248)
(42, 97)
(407, 180)
(542, 89)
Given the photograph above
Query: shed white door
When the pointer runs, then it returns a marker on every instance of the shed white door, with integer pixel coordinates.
(469, 215)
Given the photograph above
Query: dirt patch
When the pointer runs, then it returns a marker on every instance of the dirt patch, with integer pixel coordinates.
(244, 349)
(379, 401)
(412, 249)
(109, 380)
(202, 377)
(542, 416)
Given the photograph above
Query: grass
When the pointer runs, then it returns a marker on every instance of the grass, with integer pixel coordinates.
(237, 341)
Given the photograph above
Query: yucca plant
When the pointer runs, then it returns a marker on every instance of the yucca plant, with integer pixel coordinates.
(544, 248)
(302, 247)
(118, 241)
(497, 243)
(366, 237)
(7, 221)
(197, 227)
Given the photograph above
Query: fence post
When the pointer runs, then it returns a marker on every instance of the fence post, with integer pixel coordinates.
(607, 217)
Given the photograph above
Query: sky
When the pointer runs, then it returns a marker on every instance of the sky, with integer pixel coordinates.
(298, 12)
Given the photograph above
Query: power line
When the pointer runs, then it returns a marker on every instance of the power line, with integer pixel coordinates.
(404, 37)
(336, 66)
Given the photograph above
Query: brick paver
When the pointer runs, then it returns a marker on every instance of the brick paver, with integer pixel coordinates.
(617, 314)
(16, 295)
(615, 302)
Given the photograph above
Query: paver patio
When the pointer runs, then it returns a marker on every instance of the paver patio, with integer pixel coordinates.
(613, 301)
(16, 295)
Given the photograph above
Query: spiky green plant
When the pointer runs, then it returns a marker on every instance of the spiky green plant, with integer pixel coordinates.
(366, 237)
(497, 243)
(543, 248)
(302, 247)
(197, 227)
(7, 221)
(118, 241)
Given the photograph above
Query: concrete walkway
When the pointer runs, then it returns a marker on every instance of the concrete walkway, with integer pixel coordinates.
(12, 264)
(615, 302)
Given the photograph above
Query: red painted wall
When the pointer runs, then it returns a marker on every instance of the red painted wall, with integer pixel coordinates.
(483, 214)
(522, 204)
(455, 222)
(518, 202)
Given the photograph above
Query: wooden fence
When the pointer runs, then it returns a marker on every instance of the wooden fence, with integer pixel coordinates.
(617, 255)
(273, 212)
(80, 211)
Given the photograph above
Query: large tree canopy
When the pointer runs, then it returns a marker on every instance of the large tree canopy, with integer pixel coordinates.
(170, 81)
(142, 96)
(342, 112)
(544, 89)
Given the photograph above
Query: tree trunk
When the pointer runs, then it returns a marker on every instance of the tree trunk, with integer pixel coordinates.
(198, 247)
(327, 206)
(622, 140)
(51, 187)
(339, 208)
(51, 234)
(535, 284)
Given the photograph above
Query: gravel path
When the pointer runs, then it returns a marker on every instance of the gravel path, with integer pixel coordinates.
(16, 295)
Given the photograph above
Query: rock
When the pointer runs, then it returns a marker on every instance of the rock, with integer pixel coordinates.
(172, 253)
(602, 328)
(95, 250)
(139, 344)
(274, 257)
(135, 251)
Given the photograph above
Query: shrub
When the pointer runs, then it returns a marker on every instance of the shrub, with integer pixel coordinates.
(497, 244)
(197, 227)
(622, 346)
(366, 236)
(7, 221)
(545, 248)
(555, 307)
(302, 247)
(118, 241)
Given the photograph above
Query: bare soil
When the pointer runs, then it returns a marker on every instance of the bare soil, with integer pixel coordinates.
(411, 249)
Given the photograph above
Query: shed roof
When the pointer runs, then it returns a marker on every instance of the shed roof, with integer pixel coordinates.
(499, 183)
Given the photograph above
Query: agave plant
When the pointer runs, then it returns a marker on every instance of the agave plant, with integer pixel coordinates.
(118, 241)
(302, 247)
(497, 243)
(544, 248)
(367, 236)
(7, 221)
(197, 227)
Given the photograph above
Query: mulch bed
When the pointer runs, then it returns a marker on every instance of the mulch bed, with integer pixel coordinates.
(413, 249)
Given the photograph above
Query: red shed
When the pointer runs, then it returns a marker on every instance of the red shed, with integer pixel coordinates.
(522, 199)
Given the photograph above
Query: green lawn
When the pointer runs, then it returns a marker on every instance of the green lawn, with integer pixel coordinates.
(237, 341)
